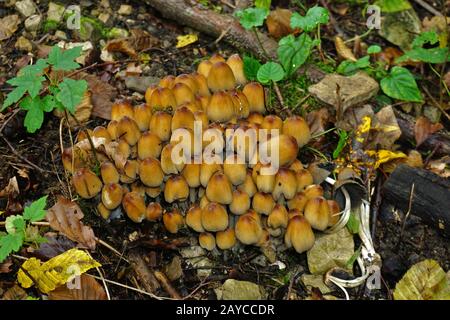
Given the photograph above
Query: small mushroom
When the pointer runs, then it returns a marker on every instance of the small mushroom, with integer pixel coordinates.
(235, 169)
(160, 124)
(86, 183)
(109, 173)
(255, 117)
(304, 179)
(264, 182)
(216, 58)
(102, 211)
(226, 239)
(182, 93)
(142, 116)
(112, 194)
(313, 191)
(220, 77)
(167, 82)
(207, 170)
(241, 105)
(183, 118)
(149, 145)
(272, 122)
(219, 189)
(202, 83)
(173, 221)
(176, 188)
(285, 184)
(167, 164)
(120, 110)
(191, 173)
(298, 201)
(150, 172)
(240, 203)
(207, 241)
(153, 212)
(149, 92)
(297, 127)
(248, 186)
(153, 192)
(278, 217)
(101, 132)
(220, 107)
(214, 217)
(112, 129)
(188, 80)
(204, 67)
(237, 66)
(128, 130)
(317, 213)
(248, 229)
(299, 234)
(263, 203)
(296, 166)
(194, 218)
(134, 206)
(256, 97)
(162, 99)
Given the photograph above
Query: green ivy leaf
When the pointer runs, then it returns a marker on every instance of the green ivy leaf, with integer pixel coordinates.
(10, 243)
(293, 52)
(251, 67)
(373, 49)
(400, 84)
(314, 16)
(252, 17)
(29, 82)
(37, 68)
(36, 210)
(270, 71)
(265, 4)
(71, 93)
(349, 67)
(64, 60)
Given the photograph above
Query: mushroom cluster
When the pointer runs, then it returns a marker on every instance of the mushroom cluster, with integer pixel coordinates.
(230, 201)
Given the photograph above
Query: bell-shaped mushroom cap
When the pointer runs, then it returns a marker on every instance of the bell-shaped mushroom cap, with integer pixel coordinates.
(263, 203)
(154, 211)
(142, 116)
(183, 118)
(123, 148)
(255, 96)
(298, 201)
(286, 146)
(194, 218)
(109, 172)
(173, 220)
(102, 211)
(334, 211)
(248, 186)
(207, 241)
(304, 179)
(241, 105)
(121, 109)
(272, 122)
(130, 171)
(191, 173)
(83, 134)
(167, 82)
(255, 118)
(216, 58)
(149, 145)
(264, 183)
(313, 191)
(162, 99)
(153, 192)
(226, 239)
(317, 213)
(248, 229)
(219, 189)
(176, 188)
(151, 173)
(188, 80)
(235, 169)
(294, 212)
(149, 92)
(202, 117)
(167, 164)
(237, 66)
(203, 101)
(203, 201)
(112, 129)
(204, 67)
(220, 107)
(185, 139)
(296, 166)
(182, 93)
(86, 183)
(220, 77)
(214, 217)
(128, 130)
(138, 187)
(299, 234)
(207, 170)
(285, 184)
(101, 132)
(278, 218)
(160, 124)
(134, 206)
(264, 241)
(297, 127)
(112, 194)
(202, 84)
(240, 203)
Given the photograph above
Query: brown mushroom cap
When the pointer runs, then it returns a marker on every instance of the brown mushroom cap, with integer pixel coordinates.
(214, 217)
(287, 149)
(153, 192)
(167, 82)
(134, 206)
(160, 124)
(128, 130)
(203, 101)
(188, 80)
(220, 107)
(237, 66)
(220, 77)
(207, 171)
(298, 201)
(235, 169)
(191, 173)
(202, 83)
(299, 234)
(297, 127)
(121, 109)
(130, 171)
(226, 239)
(294, 212)
(255, 117)
(183, 118)
(241, 105)
(278, 217)
(285, 184)
(86, 183)
(304, 179)
(123, 148)
(150, 172)
(203, 201)
(255, 96)
(154, 211)
(216, 58)
(334, 210)
(182, 93)
(240, 203)
(296, 166)
(112, 129)
(272, 122)
(313, 191)
(248, 186)
(149, 145)
(112, 194)
(194, 218)
(317, 213)
(207, 241)
(149, 92)
(219, 189)
(101, 132)
(142, 116)
(102, 211)
(109, 172)
(173, 220)
(248, 229)
(263, 203)
(264, 183)
(203, 118)
(162, 99)
(167, 165)
(204, 67)
(176, 188)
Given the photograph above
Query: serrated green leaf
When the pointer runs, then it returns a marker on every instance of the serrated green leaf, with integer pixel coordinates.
(33, 119)
(10, 243)
(28, 81)
(251, 67)
(348, 67)
(13, 97)
(314, 16)
(252, 17)
(14, 224)
(373, 49)
(64, 60)
(48, 103)
(265, 4)
(37, 68)
(400, 84)
(270, 71)
(71, 93)
(36, 210)
(293, 52)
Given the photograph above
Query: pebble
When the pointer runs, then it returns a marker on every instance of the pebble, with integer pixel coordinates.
(23, 44)
(55, 12)
(32, 22)
(125, 10)
(26, 7)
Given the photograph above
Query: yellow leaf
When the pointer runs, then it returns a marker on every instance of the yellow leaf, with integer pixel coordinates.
(383, 156)
(186, 40)
(364, 127)
(56, 271)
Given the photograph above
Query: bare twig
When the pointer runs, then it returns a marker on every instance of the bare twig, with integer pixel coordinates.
(428, 7)
(411, 195)
(165, 283)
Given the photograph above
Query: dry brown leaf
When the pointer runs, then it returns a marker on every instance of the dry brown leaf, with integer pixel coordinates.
(138, 41)
(15, 293)
(440, 166)
(388, 55)
(122, 46)
(424, 129)
(11, 190)
(8, 25)
(386, 129)
(65, 216)
(5, 267)
(317, 120)
(436, 23)
(90, 289)
(53, 247)
(343, 51)
(278, 23)
(82, 113)
(447, 79)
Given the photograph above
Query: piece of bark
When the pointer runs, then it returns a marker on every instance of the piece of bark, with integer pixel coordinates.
(144, 273)
(165, 283)
(431, 199)
(439, 140)
(189, 13)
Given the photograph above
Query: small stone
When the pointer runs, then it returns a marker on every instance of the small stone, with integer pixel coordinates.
(354, 90)
(140, 84)
(60, 35)
(240, 290)
(125, 10)
(104, 17)
(32, 22)
(432, 113)
(55, 12)
(173, 270)
(26, 7)
(105, 4)
(196, 256)
(23, 44)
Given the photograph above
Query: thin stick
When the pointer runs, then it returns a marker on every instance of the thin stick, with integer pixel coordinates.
(161, 277)
(279, 96)
(411, 195)
(106, 245)
(436, 103)
(429, 8)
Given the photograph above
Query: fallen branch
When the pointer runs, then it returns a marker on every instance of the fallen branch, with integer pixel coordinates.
(165, 283)
(143, 273)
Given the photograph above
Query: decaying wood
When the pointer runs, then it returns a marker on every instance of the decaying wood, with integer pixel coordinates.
(438, 141)
(165, 283)
(431, 200)
(189, 13)
(145, 275)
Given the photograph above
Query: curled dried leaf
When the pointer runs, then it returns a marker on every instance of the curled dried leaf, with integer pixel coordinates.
(424, 128)
(342, 50)
(87, 289)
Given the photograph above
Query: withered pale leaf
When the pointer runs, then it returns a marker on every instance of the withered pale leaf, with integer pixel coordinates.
(15, 293)
(8, 25)
(53, 247)
(342, 50)
(424, 129)
(317, 120)
(65, 216)
(89, 289)
(278, 23)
